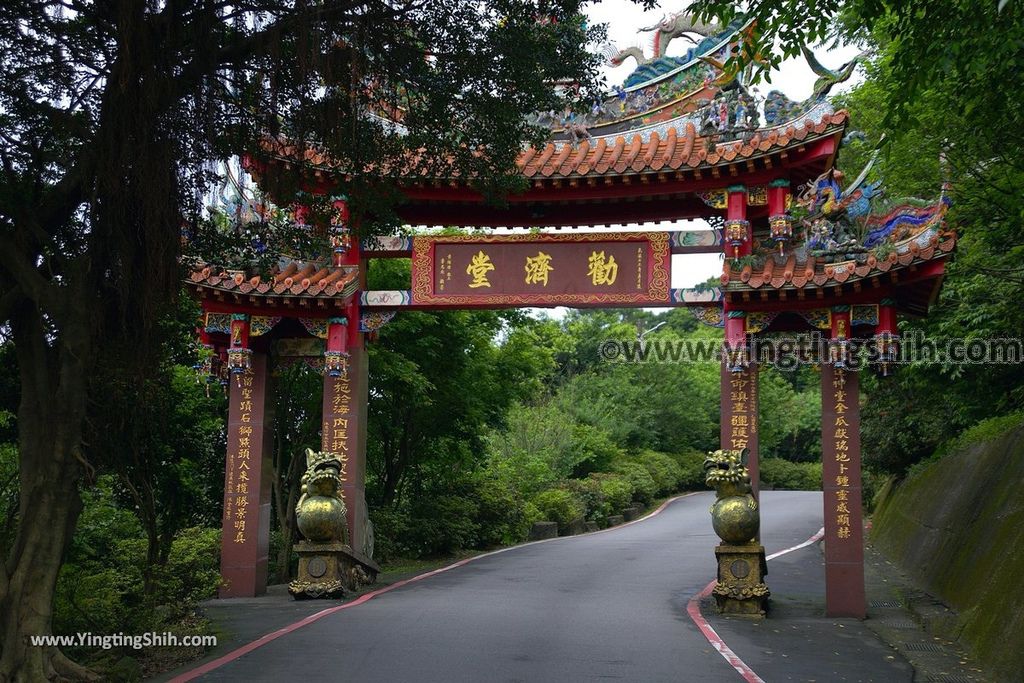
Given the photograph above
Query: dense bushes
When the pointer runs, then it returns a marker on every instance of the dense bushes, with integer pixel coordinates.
(617, 492)
(108, 585)
(588, 491)
(777, 473)
(665, 472)
(560, 505)
(644, 488)
(503, 515)
(479, 512)
(497, 505)
(691, 469)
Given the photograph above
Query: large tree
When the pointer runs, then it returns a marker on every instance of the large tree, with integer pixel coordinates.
(114, 115)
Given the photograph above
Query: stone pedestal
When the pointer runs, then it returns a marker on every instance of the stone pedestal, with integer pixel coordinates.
(741, 588)
(329, 570)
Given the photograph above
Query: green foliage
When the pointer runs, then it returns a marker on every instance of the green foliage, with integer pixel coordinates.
(537, 444)
(8, 493)
(930, 43)
(616, 490)
(644, 488)
(790, 414)
(777, 473)
(665, 472)
(108, 585)
(502, 514)
(439, 383)
(647, 405)
(904, 422)
(192, 572)
(390, 528)
(980, 433)
(443, 525)
(590, 492)
(562, 506)
(593, 450)
(691, 470)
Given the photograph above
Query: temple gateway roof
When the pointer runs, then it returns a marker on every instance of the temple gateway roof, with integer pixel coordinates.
(671, 143)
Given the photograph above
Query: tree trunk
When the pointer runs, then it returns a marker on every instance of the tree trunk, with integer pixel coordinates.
(49, 511)
(50, 424)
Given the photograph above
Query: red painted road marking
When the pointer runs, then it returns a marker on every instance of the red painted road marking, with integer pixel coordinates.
(693, 609)
(192, 674)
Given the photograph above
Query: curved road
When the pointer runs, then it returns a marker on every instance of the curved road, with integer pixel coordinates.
(609, 605)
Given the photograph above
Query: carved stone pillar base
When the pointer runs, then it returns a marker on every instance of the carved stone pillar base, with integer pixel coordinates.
(741, 588)
(329, 570)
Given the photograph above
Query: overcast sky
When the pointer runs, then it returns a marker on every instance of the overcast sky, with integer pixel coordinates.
(794, 78)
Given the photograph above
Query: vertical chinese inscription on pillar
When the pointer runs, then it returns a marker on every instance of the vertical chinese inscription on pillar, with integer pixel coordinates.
(841, 481)
(239, 470)
(740, 422)
(841, 455)
(335, 438)
(739, 426)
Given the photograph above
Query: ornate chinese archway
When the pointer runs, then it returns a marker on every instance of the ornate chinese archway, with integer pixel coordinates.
(677, 143)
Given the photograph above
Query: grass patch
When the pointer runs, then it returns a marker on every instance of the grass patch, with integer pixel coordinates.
(982, 432)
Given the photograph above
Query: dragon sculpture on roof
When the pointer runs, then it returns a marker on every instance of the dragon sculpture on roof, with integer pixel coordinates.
(847, 221)
(779, 108)
(670, 27)
(675, 25)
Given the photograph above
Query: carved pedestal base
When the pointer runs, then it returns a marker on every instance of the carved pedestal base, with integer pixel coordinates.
(741, 588)
(329, 570)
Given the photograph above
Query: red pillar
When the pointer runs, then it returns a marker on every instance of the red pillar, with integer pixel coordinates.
(344, 423)
(739, 428)
(346, 393)
(841, 474)
(245, 530)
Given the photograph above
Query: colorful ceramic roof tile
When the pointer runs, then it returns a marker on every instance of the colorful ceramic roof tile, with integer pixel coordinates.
(676, 148)
(791, 272)
(295, 280)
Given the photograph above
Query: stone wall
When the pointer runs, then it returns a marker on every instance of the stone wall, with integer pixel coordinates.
(958, 527)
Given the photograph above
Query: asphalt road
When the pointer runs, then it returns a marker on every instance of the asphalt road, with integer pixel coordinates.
(610, 605)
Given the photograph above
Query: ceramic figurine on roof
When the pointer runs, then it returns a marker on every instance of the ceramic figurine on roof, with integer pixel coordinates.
(732, 115)
(732, 75)
(825, 196)
(844, 223)
(835, 215)
(779, 108)
(827, 78)
(617, 57)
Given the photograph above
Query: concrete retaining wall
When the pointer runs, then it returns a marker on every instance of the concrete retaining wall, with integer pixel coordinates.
(958, 527)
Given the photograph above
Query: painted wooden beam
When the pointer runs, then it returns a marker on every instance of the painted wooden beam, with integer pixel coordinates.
(403, 298)
(681, 241)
